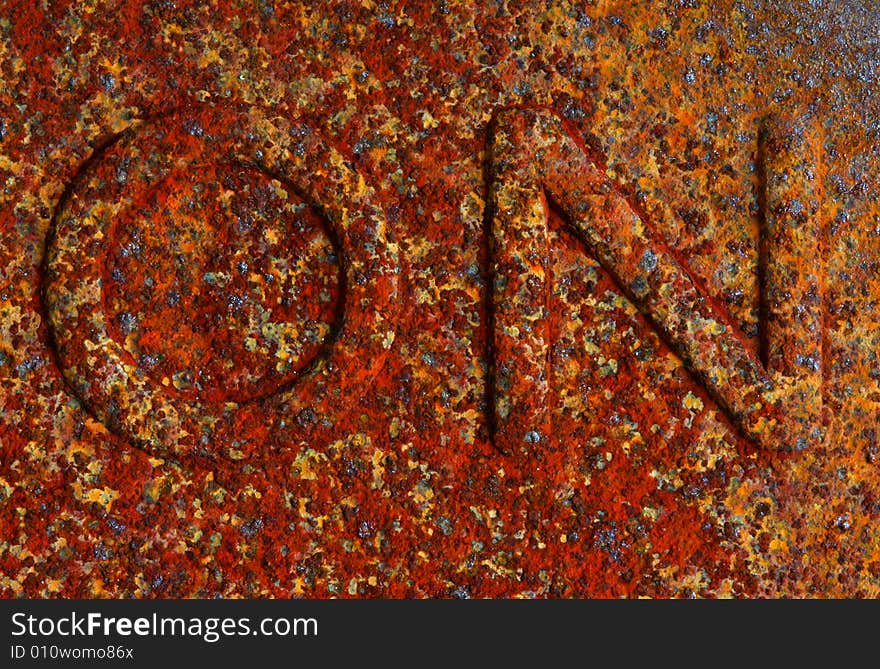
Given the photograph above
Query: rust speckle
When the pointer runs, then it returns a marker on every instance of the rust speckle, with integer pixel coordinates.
(456, 299)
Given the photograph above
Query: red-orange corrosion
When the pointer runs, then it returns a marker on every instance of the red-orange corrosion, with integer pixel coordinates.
(534, 160)
(285, 313)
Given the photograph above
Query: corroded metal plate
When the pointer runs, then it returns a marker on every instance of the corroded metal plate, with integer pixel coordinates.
(386, 299)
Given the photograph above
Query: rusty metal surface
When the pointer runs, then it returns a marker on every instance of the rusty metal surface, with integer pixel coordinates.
(451, 299)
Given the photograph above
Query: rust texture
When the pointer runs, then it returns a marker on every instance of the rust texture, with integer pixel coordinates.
(439, 299)
(777, 407)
